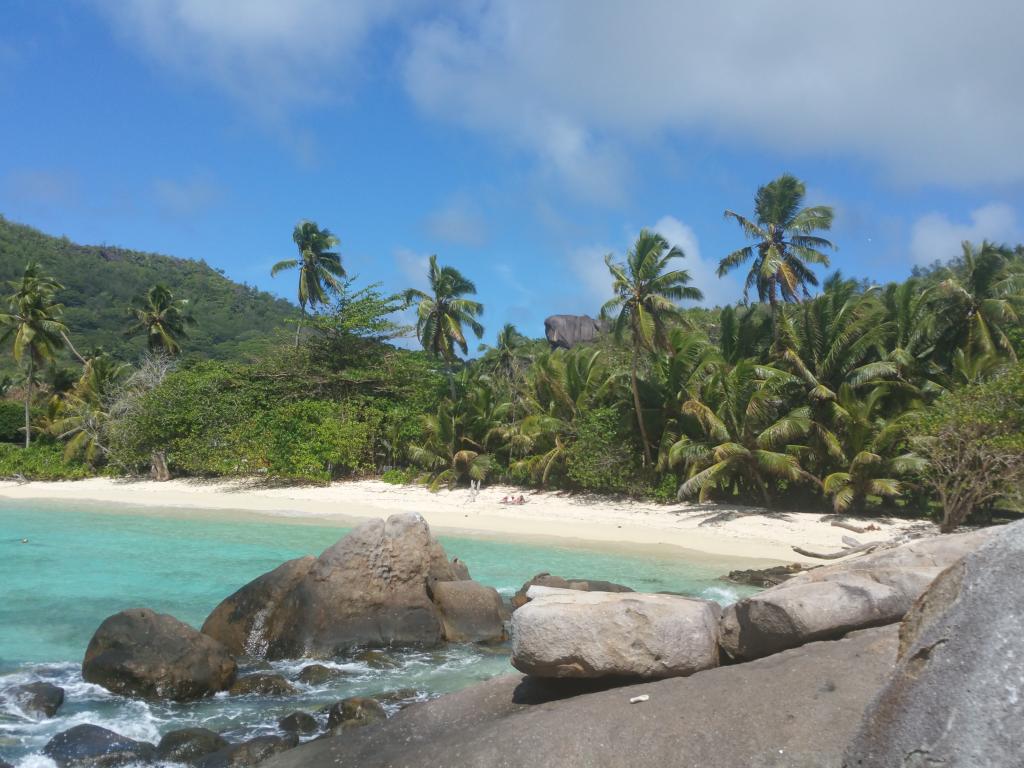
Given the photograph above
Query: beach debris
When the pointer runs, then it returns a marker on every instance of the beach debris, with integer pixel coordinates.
(861, 548)
(855, 528)
(639, 699)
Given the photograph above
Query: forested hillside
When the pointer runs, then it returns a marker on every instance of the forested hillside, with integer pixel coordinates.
(233, 321)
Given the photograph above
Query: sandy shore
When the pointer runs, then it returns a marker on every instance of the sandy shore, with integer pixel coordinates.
(714, 530)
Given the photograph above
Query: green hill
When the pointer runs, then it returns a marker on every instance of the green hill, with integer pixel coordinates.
(233, 321)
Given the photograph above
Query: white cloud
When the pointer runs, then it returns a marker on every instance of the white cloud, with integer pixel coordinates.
(929, 90)
(458, 222)
(266, 53)
(717, 291)
(935, 236)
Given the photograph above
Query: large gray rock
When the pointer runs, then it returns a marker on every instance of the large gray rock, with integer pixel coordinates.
(153, 655)
(188, 745)
(956, 697)
(90, 746)
(797, 709)
(36, 699)
(566, 331)
(547, 580)
(248, 753)
(470, 612)
(372, 588)
(566, 633)
(826, 603)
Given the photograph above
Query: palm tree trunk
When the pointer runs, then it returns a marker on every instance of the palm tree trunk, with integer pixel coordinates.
(773, 301)
(298, 326)
(28, 401)
(639, 412)
(72, 347)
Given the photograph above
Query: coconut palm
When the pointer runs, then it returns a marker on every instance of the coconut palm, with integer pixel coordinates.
(978, 298)
(785, 243)
(646, 292)
(320, 269)
(33, 322)
(162, 318)
(446, 454)
(506, 358)
(440, 317)
(85, 410)
(745, 432)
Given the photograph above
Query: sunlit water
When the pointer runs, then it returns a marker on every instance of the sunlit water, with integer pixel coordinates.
(82, 564)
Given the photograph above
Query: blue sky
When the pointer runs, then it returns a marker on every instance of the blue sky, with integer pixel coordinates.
(518, 140)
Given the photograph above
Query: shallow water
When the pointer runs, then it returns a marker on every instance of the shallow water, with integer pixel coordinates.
(83, 563)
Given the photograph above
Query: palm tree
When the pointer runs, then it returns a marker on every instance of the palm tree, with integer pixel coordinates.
(977, 299)
(320, 267)
(743, 439)
(85, 411)
(440, 317)
(506, 357)
(644, 303)
(33, 321)
(786, 243)
(162, 318)
(446, 453)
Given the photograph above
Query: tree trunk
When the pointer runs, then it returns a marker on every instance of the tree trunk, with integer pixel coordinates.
(298, 326)
(158, 467)
(72, 347)
(28, 401)
(639, 412)
(773, 301)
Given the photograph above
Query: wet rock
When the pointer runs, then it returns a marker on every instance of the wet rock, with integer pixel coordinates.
(599, 634)
(187, 745)
(298, 722)
(5, 764)
(520, 598)
(90, 746)
(955, 697)
(377, 660)
(354, 712)
(764, 577)
(143, 653)
(262, 684)
(470, 612)
(318, 674)
(38, 700)
(372, 588)
(248, 753)
(401, 698)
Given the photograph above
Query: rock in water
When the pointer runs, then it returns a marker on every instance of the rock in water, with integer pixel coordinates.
(142, 653)
(262, 684)
(566, 331)
(318, 674)
(956, 697)
(298, 722)
(187, 745)
(37, 699)
(95, 747)
(355, 712)
(601, 634)
(547, 580)
(372, 588)
(826, 603)
(470, 612)
(248, 753)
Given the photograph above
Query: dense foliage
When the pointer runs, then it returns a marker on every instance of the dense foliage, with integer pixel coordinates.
(904, 397)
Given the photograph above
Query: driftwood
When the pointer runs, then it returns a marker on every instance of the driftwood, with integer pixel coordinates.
(855, 528)
(841, 553)
(850, 541)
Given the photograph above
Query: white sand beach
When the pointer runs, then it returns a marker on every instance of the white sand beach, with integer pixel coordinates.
(713, 530)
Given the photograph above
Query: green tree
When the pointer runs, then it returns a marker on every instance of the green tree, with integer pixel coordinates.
(319, 267)
(447, 454)
(646, 292)
(440, 317)
(785, 243)
(33, 321)
(84, 415)
(162, 319)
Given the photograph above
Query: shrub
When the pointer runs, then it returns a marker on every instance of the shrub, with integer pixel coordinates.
(400, 476)
(12, 421)
(40, 461)
(603, 457)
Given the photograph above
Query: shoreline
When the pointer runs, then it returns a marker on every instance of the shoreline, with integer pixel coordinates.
(757, 536)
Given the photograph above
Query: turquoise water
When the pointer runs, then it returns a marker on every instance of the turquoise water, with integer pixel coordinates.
(81, 564)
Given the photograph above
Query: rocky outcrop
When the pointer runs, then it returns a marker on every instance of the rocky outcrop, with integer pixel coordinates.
(826, 603)
(566, 633)
(90, 746)
(39, 700)
(248, 753)
(547, 580)
(143, 653)
(956, 697)
(188, 745)
(372, 588)
(796, 709)
(470, 612)
(566, 331)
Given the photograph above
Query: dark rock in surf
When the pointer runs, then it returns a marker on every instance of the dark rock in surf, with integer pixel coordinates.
(765, 577)
(566, 331)
(298, 722)
(143, 653)
(90, 746)
(318, 674)
(547, 580)
(354, 712)
(37, 699)
(248, 753)
(262, 684)
(187, 745)
(372, 588)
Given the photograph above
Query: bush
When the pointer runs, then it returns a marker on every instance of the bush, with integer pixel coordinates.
(12, 422)
(400, 476)
(603, 457)
(40, 461)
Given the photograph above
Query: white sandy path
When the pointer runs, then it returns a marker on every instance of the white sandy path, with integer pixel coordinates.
(571, 519)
